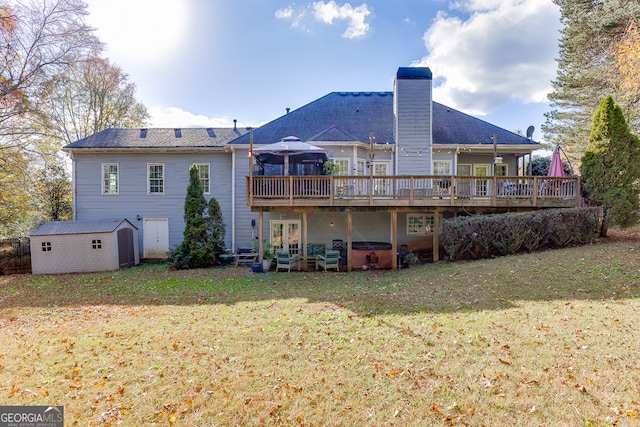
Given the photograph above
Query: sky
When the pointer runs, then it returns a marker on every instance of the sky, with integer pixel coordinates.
(204, 63)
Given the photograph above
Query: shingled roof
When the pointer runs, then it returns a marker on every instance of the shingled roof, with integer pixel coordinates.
(78, 227)
(336, 117)
(353, 116)
(168, 138)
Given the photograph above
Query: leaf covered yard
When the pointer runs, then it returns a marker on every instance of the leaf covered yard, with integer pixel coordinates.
(547, 338)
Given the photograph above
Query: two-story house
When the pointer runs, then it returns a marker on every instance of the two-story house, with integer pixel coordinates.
(403, 161)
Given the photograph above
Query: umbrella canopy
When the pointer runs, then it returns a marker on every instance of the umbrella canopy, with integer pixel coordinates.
(556, 168)
(289, 145)
(296, 157)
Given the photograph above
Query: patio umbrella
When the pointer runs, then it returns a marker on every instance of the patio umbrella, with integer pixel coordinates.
(555, 167)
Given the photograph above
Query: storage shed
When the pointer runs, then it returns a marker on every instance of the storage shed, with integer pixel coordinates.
(84, 246)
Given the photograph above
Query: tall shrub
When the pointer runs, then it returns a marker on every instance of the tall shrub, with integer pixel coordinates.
(203, 228)
(611, 166)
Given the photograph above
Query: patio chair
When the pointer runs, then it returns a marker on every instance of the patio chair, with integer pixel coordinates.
(284, 260)
(330, 259)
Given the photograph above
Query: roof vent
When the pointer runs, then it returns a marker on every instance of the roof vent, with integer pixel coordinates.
(235, 124)
(143, 133)
(178, 132)
(288, 109)
(211, 133)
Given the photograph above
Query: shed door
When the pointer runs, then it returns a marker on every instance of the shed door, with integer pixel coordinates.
(155, 237)
(126, 256)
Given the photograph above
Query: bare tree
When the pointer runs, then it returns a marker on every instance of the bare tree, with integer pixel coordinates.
(91, 96)
(38, 39)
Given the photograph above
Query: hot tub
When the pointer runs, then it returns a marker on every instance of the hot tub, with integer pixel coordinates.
(381, 250)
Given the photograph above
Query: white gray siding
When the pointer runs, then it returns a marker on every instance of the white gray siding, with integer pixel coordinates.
(412, 110)
(132, 201)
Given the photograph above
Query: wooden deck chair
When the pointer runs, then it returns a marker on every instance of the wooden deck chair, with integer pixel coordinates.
(284, 260)
(331, 259)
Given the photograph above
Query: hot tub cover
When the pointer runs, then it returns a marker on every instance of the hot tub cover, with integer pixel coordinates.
(370, 246)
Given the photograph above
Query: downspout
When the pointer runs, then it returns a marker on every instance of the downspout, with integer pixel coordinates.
(233, 200)
(74, 198)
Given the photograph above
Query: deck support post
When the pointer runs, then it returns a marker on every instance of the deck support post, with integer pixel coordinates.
(349, 241)
(436, 236)
(394, 240)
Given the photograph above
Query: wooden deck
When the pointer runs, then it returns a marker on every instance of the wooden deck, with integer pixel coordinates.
(413, 191)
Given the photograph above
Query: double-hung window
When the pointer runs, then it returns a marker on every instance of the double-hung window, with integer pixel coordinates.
(156, 178)
(110, 178)
(203, 174)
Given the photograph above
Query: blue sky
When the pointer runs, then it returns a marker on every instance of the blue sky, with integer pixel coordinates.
(208, 62)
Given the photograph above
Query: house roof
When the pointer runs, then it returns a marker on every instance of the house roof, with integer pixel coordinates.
(158, 138)
(336, 117)
(353, 116)
(78, 227)
(453, 127)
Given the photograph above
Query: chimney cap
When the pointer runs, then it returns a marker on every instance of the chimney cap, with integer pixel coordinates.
(408, 73)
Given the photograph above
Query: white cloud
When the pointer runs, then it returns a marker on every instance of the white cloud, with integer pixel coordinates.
(285, 13)
(327, 13)
(505, 51)
(174, 117)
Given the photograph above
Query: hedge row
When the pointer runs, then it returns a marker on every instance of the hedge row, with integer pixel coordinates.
(483, 236)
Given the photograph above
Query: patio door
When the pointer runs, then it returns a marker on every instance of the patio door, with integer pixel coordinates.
(341, 184)
(463, 186)
(285, 234)
(482, 184)
(381, 186)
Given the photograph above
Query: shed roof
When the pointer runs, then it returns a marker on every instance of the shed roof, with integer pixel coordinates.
(159, 138)
(79, 227)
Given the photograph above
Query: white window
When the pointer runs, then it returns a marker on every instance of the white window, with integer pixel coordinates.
(419, 224)
(156, 178)
(361, 166)
(442, 167)
(343, 166)
(110, 178)
(203, 174)
(501, 170)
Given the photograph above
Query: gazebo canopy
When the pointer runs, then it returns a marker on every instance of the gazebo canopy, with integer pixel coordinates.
(290, 156)
(289, 145)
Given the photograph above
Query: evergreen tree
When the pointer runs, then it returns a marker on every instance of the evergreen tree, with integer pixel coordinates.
(195, 223)
(204, 230)
(215, 228)
(611, 166)
(589, 68)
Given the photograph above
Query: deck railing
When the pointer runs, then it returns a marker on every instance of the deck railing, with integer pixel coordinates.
(428, 190)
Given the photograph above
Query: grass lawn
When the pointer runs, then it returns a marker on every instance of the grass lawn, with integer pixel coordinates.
(541, 339)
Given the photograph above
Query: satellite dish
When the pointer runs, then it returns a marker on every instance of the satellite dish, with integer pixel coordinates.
(530, 130)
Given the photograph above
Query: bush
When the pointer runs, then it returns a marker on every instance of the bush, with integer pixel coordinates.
(179, 258)
(482, 236)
